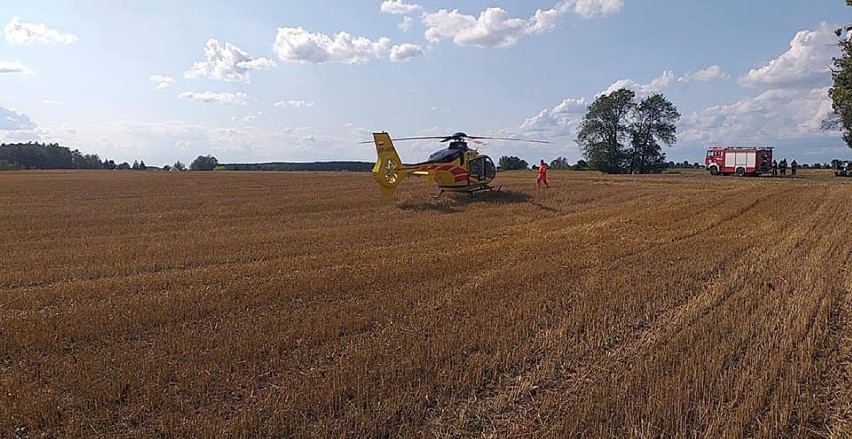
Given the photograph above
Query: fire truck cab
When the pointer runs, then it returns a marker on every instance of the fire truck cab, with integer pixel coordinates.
(726, 160)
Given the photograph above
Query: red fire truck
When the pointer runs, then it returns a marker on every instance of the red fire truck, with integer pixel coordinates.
(727, 160)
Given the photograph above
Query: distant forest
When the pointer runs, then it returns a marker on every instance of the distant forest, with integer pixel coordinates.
(33, 155)
(286, 166)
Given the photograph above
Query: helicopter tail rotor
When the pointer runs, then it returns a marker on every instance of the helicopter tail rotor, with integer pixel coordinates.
(388, 170)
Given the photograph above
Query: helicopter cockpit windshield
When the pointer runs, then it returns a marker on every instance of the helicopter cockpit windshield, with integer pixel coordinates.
(449, 154)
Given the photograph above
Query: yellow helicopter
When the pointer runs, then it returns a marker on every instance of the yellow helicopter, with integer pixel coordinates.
(456, 168)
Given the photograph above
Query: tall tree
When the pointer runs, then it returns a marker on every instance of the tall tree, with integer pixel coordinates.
(203, 163)
(511, 163)
(654, 121)
(605, 130)
(841, 90)
(560, 163)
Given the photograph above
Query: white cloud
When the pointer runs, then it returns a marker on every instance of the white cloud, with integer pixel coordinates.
(558, 125)
(656, 85)
(805, 64)
(405, 24)
(294, 103)
(18, 32)
(162, 81)
(398, 7)
(593, 8)
(14, 67)
(667, 79)
(495, 28)
(788, 112)
(561, 120)
(711, 73)
(770, 116)
(215, 98)
(544, 20)
(405, 52)
(300, 46)
(11, 120)
(227, 63)
(52, 102)
(247, 118)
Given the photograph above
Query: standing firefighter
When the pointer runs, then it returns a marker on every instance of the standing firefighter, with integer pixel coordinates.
(542, 175)
(793, 167)
(783, 166)
(774, 168)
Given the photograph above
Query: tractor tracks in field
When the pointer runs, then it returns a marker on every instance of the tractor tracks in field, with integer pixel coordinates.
(518, 405)
(513, 230)
(577, 375)
(839, 382)
(738, 213)
(696, 232)
(835, 384)
(517, 398)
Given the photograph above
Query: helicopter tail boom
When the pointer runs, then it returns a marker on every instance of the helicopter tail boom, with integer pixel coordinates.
(389, 170)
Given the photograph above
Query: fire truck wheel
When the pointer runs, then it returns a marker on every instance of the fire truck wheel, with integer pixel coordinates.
(740, 172)
(714, 171)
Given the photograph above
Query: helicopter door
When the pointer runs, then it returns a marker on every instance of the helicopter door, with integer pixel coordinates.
(477, 169)
(490, 169)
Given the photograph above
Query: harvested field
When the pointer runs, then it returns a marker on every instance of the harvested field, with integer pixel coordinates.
(306, 305)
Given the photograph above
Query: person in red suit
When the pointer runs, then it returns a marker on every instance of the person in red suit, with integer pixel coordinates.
(542, 175)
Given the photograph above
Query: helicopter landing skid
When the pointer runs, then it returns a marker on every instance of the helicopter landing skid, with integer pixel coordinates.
(484, 188)
(472, 191)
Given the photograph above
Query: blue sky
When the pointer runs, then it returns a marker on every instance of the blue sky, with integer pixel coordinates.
(298, 81)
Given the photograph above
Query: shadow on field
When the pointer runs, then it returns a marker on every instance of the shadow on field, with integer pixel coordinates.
(435, 205)
(452, 203)
(502, 197)
(544, 208)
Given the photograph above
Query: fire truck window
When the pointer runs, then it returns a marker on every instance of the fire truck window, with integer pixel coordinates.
(709, 153)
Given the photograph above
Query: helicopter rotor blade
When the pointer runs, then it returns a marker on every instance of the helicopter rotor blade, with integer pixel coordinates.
(508, 138)
(442, 138)
(462, 136)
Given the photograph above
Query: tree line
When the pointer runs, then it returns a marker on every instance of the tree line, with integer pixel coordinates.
(32, 155)
(335, 166)
(35, 155)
